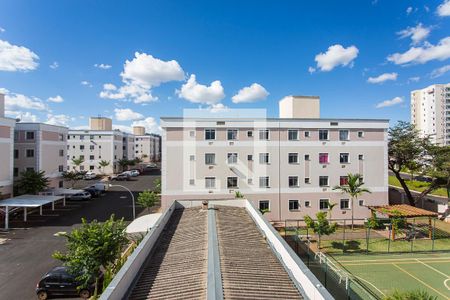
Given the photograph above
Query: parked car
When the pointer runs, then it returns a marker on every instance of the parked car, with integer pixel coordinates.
(151, 166)
(89, 176)
(80, 196)
(121, 177)
(100, 186)
(59, 282)
(134, 173)
(93, 191)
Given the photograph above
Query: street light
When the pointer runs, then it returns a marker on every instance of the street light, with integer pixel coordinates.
(132, 197)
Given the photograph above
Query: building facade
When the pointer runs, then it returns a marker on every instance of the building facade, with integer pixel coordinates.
(6, 151)
(41, 147)
(287, 166)
(147, 145)
(430, 112)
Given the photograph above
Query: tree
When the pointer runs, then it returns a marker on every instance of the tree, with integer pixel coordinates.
(71, 176)
(77, 162)
(330, 208)
(103, 164)
(32, 182)
(353, 189)
(147, 199)
(410, 295)
(406, 149)
(321, 226)
(123, 163)
(157, 185)
(92, 246)
(438, 168)
(137, 160)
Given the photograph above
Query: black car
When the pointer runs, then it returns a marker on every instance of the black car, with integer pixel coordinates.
(93, 191)
(59, 282)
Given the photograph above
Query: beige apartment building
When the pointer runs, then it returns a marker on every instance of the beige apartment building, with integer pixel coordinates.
(6, 151)
(147, 145)
(41, 147)
(288, 166)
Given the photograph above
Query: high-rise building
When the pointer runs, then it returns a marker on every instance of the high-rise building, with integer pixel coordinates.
(6, 151)
(430, 112)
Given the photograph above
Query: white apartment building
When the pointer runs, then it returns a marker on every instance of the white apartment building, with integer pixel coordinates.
(41, 147)
(430, 112)
(147, 145)
(128, 146)
(6, 151)
(286, 165)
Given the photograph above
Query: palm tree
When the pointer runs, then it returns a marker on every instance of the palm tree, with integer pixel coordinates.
(32, 182)
(138, 160)
(103, 164)
(354, 189)
(123, 163)
(77, 161)
(330, 208)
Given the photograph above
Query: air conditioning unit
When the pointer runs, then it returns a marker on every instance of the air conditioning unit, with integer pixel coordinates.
(343, 143)
(210, 143)
(210, 167)
(324, 166)
(324, 189)
(324, 143)
(231, 143)
(343, 166)
(210, 191)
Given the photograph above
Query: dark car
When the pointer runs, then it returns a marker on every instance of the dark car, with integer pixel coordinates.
(121, 177)
(59, 282)
(93, 191)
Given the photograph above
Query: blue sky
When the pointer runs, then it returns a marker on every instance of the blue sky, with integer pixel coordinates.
(139, 60)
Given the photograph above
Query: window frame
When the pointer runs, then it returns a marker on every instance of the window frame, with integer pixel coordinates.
(267, 182)
(264, 154)
(344, 154)
(293, 177)
(294, 154)
(345, 180)
(228, 182)
(30, 132)
(327, 160)
(341, 201)
(211, 179)
(234, 156)
(26, 153)
(348, 135)
(264, 202)
(328, 134)
(297, 134)
(210, 130)
(235, 137)
(324, 200)
(320, 181)
(294, 202)
(214, 159)
(261, 131)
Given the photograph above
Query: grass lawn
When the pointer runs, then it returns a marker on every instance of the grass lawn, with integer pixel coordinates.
(418, 186)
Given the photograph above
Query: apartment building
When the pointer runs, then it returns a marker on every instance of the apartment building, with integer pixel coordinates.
(147, 145)
(6, 151)
(430, 112)
(288, 165)
(128, 146)
(98, 143)
(41, 147)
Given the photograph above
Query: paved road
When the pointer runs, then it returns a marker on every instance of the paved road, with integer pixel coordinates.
(26, 254)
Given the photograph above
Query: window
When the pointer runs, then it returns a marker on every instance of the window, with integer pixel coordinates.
(210, 158)
(91, 147)
(82, 157)
(91, 137)
(81, 147)
(30, 153)
(61, 184)
(323, 134)
(16, 153)
(81, 168)
(81, 137)
(264, 158)
(307, 180)
(210, 182)
(191, 181)
(293, 158)
(323, 180)
(343, 158)
(29, 135)
(292, 135)
(293, 181)
(293, 204)
(307, 134)
(343, 135)
(250, 181)
(264, 182)
(323, 158)
(232, 182)
(360, 157)
(232, 134)
(264, 134)
(264, 205)
(343, 180)
(16, 172)
(360, 134)
(232, 158)
(210, 134)
(61, 168)
(191, 157)
(307, 203)
(29, 169)
(192, 133)
(91, 157)
(324, 204)
(249, 133)
(345, 203)
(91, 168)
(306, 157)
(249, 157)
(361, 202)
(61, 137)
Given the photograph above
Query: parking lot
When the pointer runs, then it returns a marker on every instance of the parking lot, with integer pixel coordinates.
(26, 250)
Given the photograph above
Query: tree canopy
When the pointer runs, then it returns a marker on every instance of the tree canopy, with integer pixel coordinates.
(32, 182)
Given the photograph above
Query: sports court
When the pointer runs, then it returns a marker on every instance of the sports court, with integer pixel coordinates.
(384, 273)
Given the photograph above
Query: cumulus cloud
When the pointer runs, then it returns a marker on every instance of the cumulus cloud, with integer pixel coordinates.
(421, 55)
(443, 10)
(409, 10)
(140, 75)
(126, 114)
(392, 102)
(199, 93)
(2, 29)
(17, 58)
(440, 71)
(60, 120)
(335, 56)
(150, 124)
(14, 102)
(219, 107)
(250, 94)
(22, 116)
(103, 66)
(86, 83)
(414, 79)
(382, 78)
(417, 33)
(54, 65)
(56, 99)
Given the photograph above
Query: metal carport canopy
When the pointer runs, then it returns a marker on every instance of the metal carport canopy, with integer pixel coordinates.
(27, 201)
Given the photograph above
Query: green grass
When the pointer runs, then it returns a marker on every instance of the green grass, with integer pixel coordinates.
(417, 186)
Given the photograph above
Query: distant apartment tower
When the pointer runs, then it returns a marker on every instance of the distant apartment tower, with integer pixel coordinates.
(41, 147)
(6, 151)
(430, 112)
(287, 166)
(147, 145)
(99, 143)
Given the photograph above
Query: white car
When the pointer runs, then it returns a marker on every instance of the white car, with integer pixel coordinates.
(134, 173)
(89, 176)
(80, 196)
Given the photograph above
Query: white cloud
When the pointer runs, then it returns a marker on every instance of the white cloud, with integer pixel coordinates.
(151, 126)
(60, 120)
(103, 66)
(387, 103)
(423, 54)
(16, 58)
(56, 99)
(216, 108)
(414, 79)
(250, 94)
(382, 78)
(140, 75)
(426, 8)
(23, 116)
(86, 83)
(54, 65)
(417, 34)
(2, 29)
(409, 10)
(336, 55)
(443, 10)
(15, 102)
(199, 93)
(440, 71)
(127, 114)
(311, 70)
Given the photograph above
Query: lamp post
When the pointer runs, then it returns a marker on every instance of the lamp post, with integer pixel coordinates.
(132, 197)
